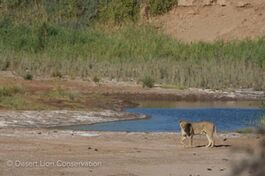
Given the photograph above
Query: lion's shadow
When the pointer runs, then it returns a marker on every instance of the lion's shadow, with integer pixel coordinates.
(217, 146)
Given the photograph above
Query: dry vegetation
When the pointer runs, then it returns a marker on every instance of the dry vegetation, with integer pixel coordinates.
(77, 39)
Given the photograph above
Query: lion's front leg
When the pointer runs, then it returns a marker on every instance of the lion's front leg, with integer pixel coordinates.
(183, 138)
(191, 140)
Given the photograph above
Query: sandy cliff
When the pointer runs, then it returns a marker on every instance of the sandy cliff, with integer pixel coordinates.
(209, 20)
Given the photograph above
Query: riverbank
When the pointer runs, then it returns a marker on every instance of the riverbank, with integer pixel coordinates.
(117, 153)
(47, 119)
(86, 95)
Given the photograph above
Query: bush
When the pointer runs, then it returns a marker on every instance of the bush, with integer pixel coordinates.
(96, 79)
(148, 82)
(159, 7)
(4, 65)
(28, 76)
(57, 74)
(119, 11)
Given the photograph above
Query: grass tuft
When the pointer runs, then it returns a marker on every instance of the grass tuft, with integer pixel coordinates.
(148, 82)
(9, 91)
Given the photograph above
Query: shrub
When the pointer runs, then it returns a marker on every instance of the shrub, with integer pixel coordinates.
(57, 74)
(119, 11)
(159, 7)
(148, 82)
(28, 76)
(4, 65)
(96, 79)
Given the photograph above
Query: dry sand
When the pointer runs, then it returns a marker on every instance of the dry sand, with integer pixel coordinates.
(24, 152)
(235, 19)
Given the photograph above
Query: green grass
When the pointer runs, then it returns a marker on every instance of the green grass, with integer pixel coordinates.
(77, 14)
(159, 7)
(132, 52)
(59, 93)
(9, 91)
(69, 38)
(14, 97)
(148, 81)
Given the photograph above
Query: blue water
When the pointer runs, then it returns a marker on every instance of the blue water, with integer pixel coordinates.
(166, 119)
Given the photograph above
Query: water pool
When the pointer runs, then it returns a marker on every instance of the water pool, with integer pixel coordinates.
(166, 119)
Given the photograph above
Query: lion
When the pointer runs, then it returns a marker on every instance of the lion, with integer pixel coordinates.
(189, 129)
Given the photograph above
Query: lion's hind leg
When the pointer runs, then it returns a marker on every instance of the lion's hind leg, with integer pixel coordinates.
(212, 145)
(212, 141)
(209, 141)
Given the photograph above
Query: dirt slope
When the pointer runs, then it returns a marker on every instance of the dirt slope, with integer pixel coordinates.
(227, 20)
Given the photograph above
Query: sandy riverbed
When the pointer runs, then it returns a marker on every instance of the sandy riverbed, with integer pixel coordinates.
(116, 153)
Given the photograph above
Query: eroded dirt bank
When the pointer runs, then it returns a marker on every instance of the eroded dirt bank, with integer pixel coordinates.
(116, 154)
(54, 94)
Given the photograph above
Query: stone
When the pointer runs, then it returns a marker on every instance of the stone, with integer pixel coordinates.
(187, 3)
(221, 2)
(243, 4)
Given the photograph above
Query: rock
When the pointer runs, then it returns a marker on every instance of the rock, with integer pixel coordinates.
(243, 4)
(221, 2)
(187, 3)
(207, 2)
(192, 12)
(209, 169)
